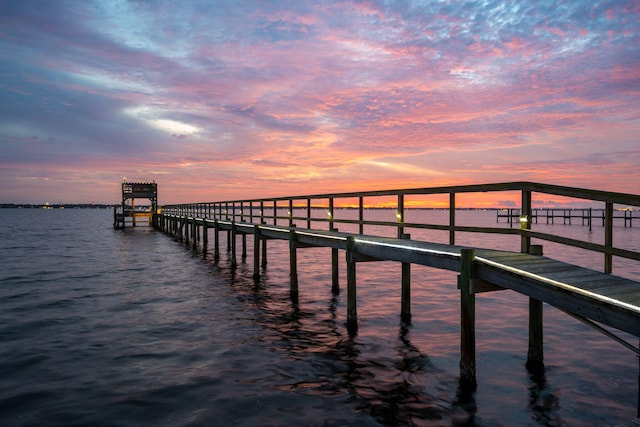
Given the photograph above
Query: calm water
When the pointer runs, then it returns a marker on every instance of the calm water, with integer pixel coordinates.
(104, 327)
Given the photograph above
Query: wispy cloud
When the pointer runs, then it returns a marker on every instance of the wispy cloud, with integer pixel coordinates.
(243, 99)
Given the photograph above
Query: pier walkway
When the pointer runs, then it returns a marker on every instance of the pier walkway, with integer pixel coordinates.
(598, 298)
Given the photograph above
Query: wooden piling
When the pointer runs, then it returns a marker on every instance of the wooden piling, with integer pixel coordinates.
(256, 252)
(216, 241)
(264, 252)
(232, 239)
(194, 234)
(293, 265)
(467, 319)
(244, 247)
(205, 235)
(352, 312)
(405, 299)
(535, 354)
(335, 272)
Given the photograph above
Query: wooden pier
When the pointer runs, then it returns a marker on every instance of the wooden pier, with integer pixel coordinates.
(596, 297)
(586, 216)
(130, 192)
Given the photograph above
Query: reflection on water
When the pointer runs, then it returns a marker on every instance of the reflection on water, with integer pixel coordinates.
(103, 327)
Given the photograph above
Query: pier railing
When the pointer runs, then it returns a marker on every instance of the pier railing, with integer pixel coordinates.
(321, 208)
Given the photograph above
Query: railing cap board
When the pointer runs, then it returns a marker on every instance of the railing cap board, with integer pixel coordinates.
(558, 190)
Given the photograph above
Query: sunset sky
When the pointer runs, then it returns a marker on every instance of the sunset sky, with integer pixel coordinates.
(218, 100)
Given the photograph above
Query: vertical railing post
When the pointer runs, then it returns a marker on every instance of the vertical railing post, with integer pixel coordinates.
(467, 319)
(400, 214)
(608, 237)
(452, 218)
(361, 214)
(308, 213)
(290, 213)
(261, 213)
(330, 213)
(525, 221)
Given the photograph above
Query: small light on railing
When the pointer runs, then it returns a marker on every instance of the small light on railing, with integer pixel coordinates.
(399, 216)
(289, 213)
(329, 214)
(261, 213)
(524, 221)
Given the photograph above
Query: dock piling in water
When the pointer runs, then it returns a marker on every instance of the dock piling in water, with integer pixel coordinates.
(405, 298)
(467, 318)
(352, 311)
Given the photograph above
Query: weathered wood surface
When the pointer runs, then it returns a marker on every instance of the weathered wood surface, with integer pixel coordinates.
(611, 300)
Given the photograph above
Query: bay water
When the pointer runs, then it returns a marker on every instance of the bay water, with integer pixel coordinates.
(105, 327)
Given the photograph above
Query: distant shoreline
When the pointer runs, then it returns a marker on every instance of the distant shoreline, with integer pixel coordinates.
(55, 206)
(110, 206)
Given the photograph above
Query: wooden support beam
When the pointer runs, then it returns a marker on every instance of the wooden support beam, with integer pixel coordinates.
(356, 257)
(467, 319)
(479, 286)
